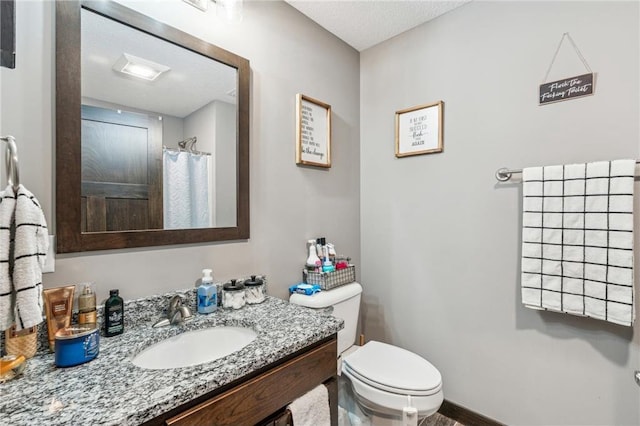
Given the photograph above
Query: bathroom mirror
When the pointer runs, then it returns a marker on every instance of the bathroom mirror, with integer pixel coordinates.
(152, 133)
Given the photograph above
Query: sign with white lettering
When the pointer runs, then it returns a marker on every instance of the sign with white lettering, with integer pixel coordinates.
(568, 88)
(419, 130)
(313, 132)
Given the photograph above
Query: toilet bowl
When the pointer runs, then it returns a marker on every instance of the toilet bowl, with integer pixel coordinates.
(387, 382)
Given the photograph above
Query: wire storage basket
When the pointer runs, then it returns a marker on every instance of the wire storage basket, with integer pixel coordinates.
(329, 280)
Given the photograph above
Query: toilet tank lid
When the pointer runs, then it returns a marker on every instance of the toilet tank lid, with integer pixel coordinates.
(326, 298)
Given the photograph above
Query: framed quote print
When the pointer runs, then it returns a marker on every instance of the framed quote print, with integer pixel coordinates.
(419, 130)
(313, 132)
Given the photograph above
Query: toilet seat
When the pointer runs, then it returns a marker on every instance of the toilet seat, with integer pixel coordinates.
(392, 369)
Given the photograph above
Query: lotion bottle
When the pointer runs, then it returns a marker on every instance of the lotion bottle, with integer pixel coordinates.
(207, 293)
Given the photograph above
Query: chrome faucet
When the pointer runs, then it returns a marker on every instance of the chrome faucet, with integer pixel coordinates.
(177, 313)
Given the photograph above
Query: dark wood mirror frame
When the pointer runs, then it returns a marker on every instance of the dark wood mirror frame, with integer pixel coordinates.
(8, 33)
(68, 134)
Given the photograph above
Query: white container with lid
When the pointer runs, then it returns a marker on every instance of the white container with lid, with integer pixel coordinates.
(254, 290)
(233, 296)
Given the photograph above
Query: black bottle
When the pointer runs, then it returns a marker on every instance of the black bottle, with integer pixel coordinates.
(113, 314)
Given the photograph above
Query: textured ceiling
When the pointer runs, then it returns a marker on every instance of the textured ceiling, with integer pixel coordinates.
(192, 82)
(365, 23)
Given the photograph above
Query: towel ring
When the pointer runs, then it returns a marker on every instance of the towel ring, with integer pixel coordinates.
(11, 161)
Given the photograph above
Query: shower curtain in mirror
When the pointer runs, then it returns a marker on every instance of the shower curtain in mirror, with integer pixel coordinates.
(186, 199)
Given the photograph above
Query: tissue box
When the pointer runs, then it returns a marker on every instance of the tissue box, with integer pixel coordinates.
(329, 280)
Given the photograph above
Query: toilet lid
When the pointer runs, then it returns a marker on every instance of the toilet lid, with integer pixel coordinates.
(393, 369)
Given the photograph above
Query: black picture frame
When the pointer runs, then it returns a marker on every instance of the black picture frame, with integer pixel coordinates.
(8, 33)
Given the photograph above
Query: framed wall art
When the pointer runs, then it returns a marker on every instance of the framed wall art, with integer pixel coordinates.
(419, 130)
(313, 132)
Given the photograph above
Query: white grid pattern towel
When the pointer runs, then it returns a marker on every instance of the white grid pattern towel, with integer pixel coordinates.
(7, 296)
(24, 243)
(30, 250)
(577, 239)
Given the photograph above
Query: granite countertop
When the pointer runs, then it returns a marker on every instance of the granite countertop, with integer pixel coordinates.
(110, 390)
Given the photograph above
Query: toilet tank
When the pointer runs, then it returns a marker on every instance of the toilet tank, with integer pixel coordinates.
(346, 306)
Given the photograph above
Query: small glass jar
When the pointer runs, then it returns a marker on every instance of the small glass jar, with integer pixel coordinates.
(233, 295)
(255, 291)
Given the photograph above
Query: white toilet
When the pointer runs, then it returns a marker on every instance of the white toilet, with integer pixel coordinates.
(390, 384)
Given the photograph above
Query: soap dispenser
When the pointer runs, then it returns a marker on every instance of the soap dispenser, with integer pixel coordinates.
(207, 293)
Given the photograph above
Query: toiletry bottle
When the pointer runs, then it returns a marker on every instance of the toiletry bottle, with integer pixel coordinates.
(332, 253)
(207, 294)
(313, 261)
(58, 304)
(319, 251)
(309, 243)
(327, 266)
(113, 314)
(87, 305)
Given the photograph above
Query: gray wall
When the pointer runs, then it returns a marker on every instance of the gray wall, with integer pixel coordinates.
(225, 178)
(215, 126)
(441, 239)
(289, 204)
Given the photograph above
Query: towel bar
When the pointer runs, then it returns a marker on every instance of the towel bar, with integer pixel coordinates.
(504, 174)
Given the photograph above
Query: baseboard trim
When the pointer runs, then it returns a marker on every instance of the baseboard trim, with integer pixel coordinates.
(465, 416)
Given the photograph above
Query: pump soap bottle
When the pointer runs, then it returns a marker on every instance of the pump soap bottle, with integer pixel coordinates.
(113, 314)
(207, 293)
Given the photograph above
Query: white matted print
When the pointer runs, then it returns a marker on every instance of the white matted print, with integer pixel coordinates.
(419, 130)
(313, 132)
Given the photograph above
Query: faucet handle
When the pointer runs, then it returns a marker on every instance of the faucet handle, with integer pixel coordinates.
(174, 304)
(176, 301)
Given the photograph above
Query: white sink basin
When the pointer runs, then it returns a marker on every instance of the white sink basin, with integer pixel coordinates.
(194, 347)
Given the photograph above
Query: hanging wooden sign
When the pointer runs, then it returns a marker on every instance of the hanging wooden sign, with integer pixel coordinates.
(565, 89)
(313, 132)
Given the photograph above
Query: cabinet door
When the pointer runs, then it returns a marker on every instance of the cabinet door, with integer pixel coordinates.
(258, 398)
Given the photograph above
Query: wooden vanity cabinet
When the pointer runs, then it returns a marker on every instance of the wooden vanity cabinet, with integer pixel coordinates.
(251, 401)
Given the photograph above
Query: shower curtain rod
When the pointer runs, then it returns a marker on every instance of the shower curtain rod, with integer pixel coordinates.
(192, 151)
(504, 174)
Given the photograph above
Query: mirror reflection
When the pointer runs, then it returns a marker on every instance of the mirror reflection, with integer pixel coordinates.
(159, 133)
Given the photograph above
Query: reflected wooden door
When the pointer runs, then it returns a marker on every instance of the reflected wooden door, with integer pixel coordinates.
(121, 171)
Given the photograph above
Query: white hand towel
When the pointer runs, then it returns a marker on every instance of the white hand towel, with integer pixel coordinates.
(312, 408)
(577, 239)
(7, 209)
(30, 250)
